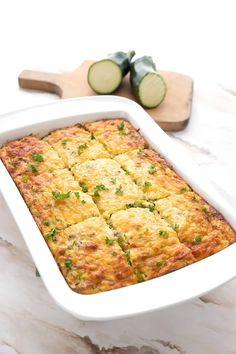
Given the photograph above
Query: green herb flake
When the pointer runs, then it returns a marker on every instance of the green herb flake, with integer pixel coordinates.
(152, 169)
(127, 255)
(139, 276)
(121, 125)
(114, 254)
(83, 201)
(83, 186)
(162, 166)
(198, 240)
(81, 147)
(195, 198)
(37, 157)
(183, 190)
(113, 180)
(25, 178)
(46, 223)
(64, 142)
(140, 150)
(100, 187)
(119, 190)
(91, 137)
(61, 196)
(159, 263)
(204, 209)
(33, 168)
(175, 227)
(96, 193)
(163, 233)
(109, 241)
(80, 275)
(151, 207)
(147, 184)
(69, 263)
(51, 234)
(77, 194)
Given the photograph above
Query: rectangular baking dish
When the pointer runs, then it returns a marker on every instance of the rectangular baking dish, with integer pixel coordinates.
(154, 294)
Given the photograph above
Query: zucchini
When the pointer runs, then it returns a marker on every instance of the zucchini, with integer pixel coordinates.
(148, 86)
(105, 76)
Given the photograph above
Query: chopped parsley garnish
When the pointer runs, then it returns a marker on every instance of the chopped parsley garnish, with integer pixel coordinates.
(175, 226)
(204, 209)
(163, 233)
(127, 255)
(46, 223)
(113, 180)
(114, 253)
(147, 184)
(121, 125)
(159, 263)
(100, 187)
(61, 196)
(68, 263)
(140, 150)
(51, 234)
(83, 201)
(120, 238)
(77, 194)
(109, 241)
(81, 148)
(183, 190)
(64, 142)
(151, 207)
(162, 166)
(96, 193)
(83, 186)
(25, 178)
(119, 190)
(139, 276)
(152, 169)
(33, 168)
(198, 240)
(195, 198)
(91, 137)
(79, 276)
(37, 157)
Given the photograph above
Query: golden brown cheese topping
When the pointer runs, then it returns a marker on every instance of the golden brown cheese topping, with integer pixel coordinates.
(197, 224)
(151, 173)
(76, 145)
(90, 258)
(117, 135)
(30, 156)
(111, 188)
(112, 211)
(150, 244)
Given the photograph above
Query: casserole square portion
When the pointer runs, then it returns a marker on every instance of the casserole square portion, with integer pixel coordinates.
(90, 258)
(30, 156)
(76, 145)
(117, 135)
(197, 224)
(150, 244)
(111, 188)
(152, 173)
(55, 200)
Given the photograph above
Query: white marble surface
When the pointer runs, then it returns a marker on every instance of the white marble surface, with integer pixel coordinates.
(196, 38)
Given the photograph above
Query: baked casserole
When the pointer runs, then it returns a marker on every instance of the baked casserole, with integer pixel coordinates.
(112, 210)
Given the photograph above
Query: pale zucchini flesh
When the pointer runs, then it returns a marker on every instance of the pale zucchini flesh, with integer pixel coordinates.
(104, 76)
(152, 90)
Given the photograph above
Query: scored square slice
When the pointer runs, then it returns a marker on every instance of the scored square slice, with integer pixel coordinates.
(90, 258)
(56, 200)
(30, 156)
(150, 244)
(197, 224)
(76, 145)
(152, 173)
(117, 135)
(111, 188)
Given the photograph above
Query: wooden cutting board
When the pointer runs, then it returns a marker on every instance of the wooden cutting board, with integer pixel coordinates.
(172, 115)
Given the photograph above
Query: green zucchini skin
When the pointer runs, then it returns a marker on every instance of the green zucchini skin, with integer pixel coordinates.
(114, 67)
(123, 60)
(139, 69)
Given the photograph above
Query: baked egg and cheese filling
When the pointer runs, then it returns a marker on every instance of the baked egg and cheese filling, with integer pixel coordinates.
(112, 211)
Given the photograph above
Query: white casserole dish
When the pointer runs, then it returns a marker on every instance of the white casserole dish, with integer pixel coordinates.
(167, 290)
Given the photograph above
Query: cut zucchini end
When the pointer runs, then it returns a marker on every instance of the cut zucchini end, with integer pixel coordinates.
(152, 90)
(104, 76)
